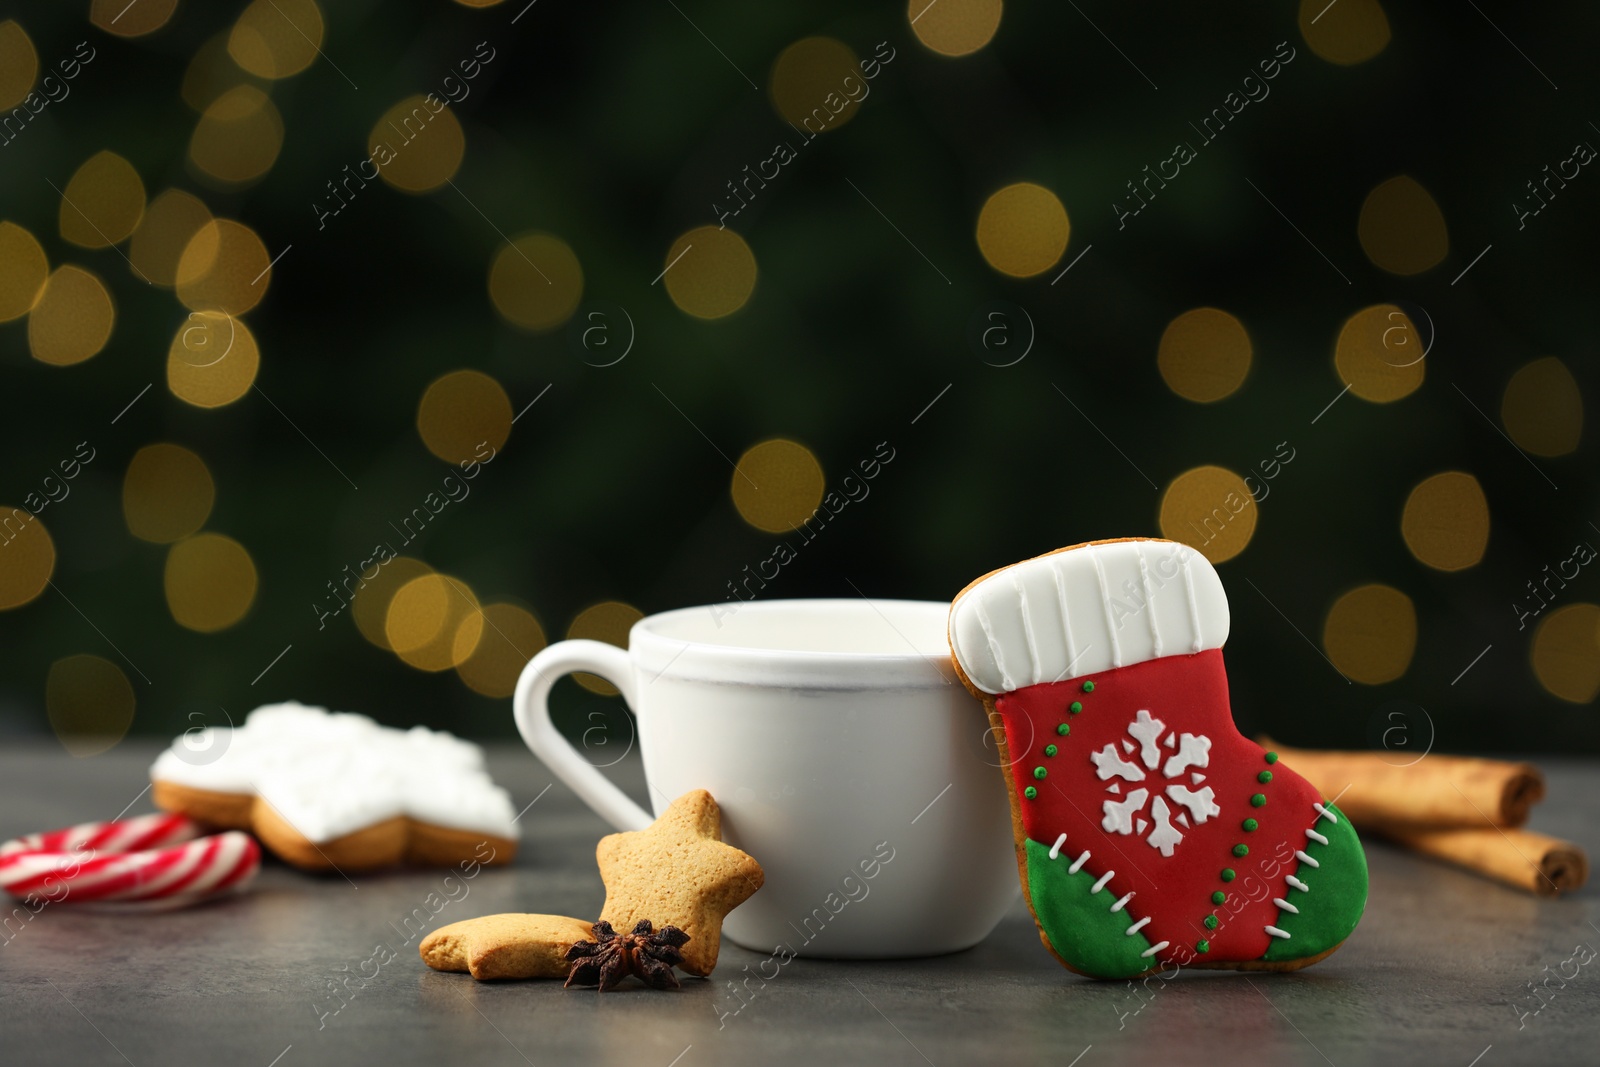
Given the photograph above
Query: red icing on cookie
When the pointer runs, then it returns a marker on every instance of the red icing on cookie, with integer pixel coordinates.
(1162, 700)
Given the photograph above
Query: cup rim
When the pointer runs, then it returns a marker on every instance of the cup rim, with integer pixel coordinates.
(658, 655)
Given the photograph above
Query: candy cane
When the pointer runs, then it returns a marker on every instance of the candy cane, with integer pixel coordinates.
(149, 860)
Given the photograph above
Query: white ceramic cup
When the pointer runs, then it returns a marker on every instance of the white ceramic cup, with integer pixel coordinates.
(844, 754)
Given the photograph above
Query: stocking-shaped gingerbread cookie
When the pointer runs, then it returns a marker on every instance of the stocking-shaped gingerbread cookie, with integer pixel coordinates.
(1149, 831)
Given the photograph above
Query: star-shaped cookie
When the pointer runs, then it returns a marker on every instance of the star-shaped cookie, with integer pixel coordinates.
(678, 872)
(505, 946)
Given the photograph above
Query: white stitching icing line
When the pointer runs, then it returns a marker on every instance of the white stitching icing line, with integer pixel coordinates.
(1303, 858)
(1136, 927)
(1055, 849)
(1101, 884)
(1158, 946)
(1079, 862)
(1149, 597)
(1318, 838)
(1066, 616)
(1194, 605)
(1286, 906)
(1324, 813)
(1006, 681)
(1035, 675)
(1275, 932)
(1122, 901)
(1105, 606)
(1298, 884)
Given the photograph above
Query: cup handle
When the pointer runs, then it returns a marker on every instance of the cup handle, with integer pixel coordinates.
(531, 705)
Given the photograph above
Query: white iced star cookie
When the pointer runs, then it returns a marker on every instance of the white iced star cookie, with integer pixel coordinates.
(337, 791)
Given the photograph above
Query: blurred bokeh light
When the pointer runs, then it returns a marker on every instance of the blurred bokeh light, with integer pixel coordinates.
(90, 703)
(1370, 634)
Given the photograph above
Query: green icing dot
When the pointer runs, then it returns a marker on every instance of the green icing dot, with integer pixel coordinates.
(1272, 757)
(1050, 750)
(1039, 772)
(1249, 824)
(1202, 946)
(1264, 776)
(1077, 706)
(1088, 687)
(1241, 850)
(1219, 897)
(1227, 874)
(1063, 729)
(1258, 800)
(1030, 792)
(1211, 922)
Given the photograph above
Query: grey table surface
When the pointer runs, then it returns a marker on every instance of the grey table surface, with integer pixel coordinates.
(1439, 971)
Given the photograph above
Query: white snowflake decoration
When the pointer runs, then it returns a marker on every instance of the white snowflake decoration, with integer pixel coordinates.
(1126, 816)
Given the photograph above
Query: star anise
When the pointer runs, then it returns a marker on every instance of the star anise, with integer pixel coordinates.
(649, 953)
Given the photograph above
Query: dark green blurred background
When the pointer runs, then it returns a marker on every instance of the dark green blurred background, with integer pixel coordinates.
(615, 125)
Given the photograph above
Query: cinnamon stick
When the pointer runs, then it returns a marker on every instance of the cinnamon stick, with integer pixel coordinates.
(1531, 861)
(1380, 790)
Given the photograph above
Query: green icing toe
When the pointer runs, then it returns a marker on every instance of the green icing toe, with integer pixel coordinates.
(1080, 925)
(1330, 909)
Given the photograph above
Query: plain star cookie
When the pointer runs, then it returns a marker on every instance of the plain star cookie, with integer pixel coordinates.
(1148, 830)
(337, 791)
(677, 872)
(506, 946)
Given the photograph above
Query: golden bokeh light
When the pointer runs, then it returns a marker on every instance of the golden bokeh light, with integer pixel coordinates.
(461, 412)
(511, 637)
(954, 27)
(1401, 227)
(1346, 32)
(816, 84)
(131, 19)
(536, 282)
(434, 622)
(1542, 408)
(27, 557)
(170, 223)
(212, 360)
(1023, 230)
(277, 38)
(608, 621)
(225, 268)
(370, 597)
(19, 64)
(1378, 354)
(777, 485)
(167, 493)
(479, 3)
(1370, 634)
(73, 319)
(1566, 653)
(23, 271)
(90, 703)
(710, 272)
(210, 582)
(1446, 521)
(1204, 354)
(1210, 509)
(416, 146)
(211, 73)
(103, 202)
(238, 137)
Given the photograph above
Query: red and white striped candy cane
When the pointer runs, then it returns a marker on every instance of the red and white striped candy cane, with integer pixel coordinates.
(149, 860)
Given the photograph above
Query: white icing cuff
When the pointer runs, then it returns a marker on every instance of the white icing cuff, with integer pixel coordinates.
(1085, 610)
(328, 775)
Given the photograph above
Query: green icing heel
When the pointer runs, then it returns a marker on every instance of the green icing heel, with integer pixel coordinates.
(1332, 905)
(1079, 924)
